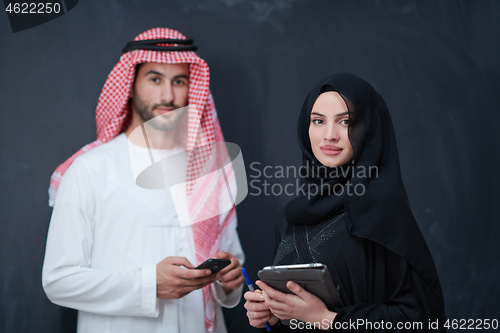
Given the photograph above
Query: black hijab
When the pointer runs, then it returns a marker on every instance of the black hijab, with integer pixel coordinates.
(382, 213)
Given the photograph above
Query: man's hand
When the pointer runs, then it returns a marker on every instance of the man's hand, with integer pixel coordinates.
(231, 276)
(174, 281)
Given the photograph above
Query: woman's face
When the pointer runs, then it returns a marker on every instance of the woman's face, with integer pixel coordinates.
(328, 130)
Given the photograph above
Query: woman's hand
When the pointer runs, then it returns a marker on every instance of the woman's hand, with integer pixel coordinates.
(257, 311)
(303, 305)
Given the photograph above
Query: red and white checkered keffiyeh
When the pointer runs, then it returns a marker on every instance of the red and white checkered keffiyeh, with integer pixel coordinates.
(113, 117)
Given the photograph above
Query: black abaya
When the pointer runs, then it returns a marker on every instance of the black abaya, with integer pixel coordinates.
(378, 288)
(370, 243)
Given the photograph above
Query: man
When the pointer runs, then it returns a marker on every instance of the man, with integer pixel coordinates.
(116, 251)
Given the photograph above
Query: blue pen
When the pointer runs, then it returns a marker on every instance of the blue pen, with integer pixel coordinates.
(251, 288)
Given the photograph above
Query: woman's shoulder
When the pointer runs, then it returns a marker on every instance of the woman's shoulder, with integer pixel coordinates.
(280, 222)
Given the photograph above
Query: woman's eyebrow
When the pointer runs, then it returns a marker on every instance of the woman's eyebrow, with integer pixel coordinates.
(337, 115)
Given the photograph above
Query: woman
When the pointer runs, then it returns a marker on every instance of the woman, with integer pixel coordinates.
(355, 219)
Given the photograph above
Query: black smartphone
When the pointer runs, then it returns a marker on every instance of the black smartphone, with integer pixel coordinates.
(215, 265)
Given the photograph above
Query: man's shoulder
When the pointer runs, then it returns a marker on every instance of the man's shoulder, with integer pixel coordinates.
(106, 153)
(96, 168)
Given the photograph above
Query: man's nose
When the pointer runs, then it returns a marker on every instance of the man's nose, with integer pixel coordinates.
(167, 94)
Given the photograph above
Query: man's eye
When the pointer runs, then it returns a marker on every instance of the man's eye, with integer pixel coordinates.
(155, 80)
(179, 82)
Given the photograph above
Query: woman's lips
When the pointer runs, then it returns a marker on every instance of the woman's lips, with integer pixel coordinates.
(331, 150)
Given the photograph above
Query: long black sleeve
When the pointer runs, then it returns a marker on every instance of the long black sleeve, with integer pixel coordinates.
(380, 290)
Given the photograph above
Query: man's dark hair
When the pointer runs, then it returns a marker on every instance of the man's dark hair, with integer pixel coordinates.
(137, 67)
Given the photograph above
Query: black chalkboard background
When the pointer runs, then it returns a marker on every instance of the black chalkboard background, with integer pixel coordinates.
(436, 62)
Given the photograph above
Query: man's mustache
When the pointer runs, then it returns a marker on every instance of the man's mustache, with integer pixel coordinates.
(170, 105)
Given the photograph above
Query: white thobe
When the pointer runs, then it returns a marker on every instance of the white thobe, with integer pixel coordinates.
(106, 236)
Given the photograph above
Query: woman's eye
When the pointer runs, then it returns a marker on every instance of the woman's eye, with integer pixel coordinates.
(344, 122)
(317, 121)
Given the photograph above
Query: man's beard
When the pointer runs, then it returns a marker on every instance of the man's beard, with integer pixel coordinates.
(158, 122)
